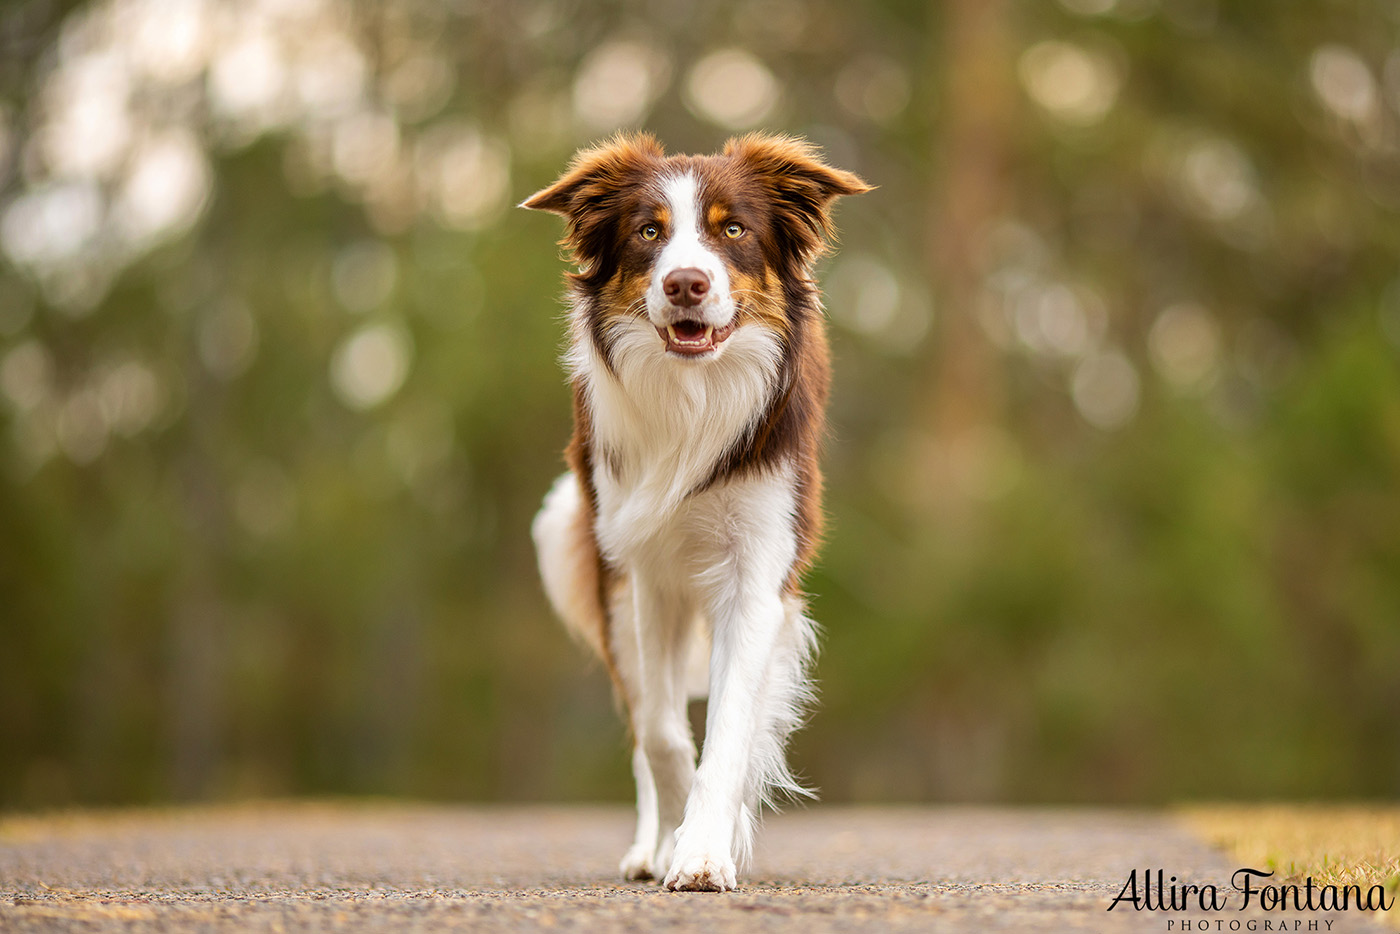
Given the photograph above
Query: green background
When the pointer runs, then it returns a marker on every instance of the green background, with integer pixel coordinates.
(1116, 418)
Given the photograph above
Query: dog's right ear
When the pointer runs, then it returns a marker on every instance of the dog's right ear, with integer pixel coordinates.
(588, 196)
(596, 176)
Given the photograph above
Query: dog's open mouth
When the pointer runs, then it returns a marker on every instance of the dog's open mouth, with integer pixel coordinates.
(690, 338)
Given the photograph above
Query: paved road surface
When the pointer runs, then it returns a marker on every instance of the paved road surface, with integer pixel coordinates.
(376, 867)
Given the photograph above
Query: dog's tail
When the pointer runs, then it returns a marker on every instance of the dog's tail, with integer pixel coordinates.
(568, 556)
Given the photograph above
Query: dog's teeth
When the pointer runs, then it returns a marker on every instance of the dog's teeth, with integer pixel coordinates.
(671, 329)
(709, 334)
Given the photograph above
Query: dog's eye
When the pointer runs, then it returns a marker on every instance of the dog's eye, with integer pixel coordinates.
(733, 230)
(650, 232)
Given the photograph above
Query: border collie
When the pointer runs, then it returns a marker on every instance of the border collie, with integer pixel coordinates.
(675, 544)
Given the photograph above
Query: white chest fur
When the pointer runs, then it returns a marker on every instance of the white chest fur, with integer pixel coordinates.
(664, 423)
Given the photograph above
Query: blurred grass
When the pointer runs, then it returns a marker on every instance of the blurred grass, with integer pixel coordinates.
(1335, 845)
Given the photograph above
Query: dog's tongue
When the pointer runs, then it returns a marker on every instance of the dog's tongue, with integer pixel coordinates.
(689, 330)
(693, 338)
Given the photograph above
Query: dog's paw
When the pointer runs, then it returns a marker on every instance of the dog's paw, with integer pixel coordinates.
(702, 872)
(636, 864)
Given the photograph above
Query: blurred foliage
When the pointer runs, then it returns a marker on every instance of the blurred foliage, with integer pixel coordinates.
(1116, 444)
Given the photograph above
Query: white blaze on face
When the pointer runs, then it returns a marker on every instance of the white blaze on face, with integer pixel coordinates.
(686, 249)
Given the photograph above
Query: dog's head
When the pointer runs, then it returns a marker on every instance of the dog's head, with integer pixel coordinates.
(699, 246)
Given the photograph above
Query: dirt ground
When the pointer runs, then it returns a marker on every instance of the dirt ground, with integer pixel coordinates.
(382, 866)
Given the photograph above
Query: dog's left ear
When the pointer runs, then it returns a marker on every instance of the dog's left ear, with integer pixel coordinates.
(800, 184)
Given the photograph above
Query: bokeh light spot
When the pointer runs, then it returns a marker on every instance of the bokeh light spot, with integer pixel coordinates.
(52, 224)
(464, 174)
(1218, 179)
(371, 365)
(617, 82)
(1105, 389)
(1344, 83)
(732, 88)
(130, 397)
(1075, 85)
(1184, 344)
(167, 188)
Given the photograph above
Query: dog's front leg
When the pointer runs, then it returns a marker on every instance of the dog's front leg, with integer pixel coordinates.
(664, 757)
(746, 634)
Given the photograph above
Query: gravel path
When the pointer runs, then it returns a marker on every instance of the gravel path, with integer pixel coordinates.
(372, 867)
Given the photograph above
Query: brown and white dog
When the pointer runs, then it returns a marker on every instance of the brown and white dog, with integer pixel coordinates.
(675, 545)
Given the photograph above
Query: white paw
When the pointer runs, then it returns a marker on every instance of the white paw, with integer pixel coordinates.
(637, 863)
(702, 872)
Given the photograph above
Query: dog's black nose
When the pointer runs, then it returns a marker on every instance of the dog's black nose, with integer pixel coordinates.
(686, 287)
